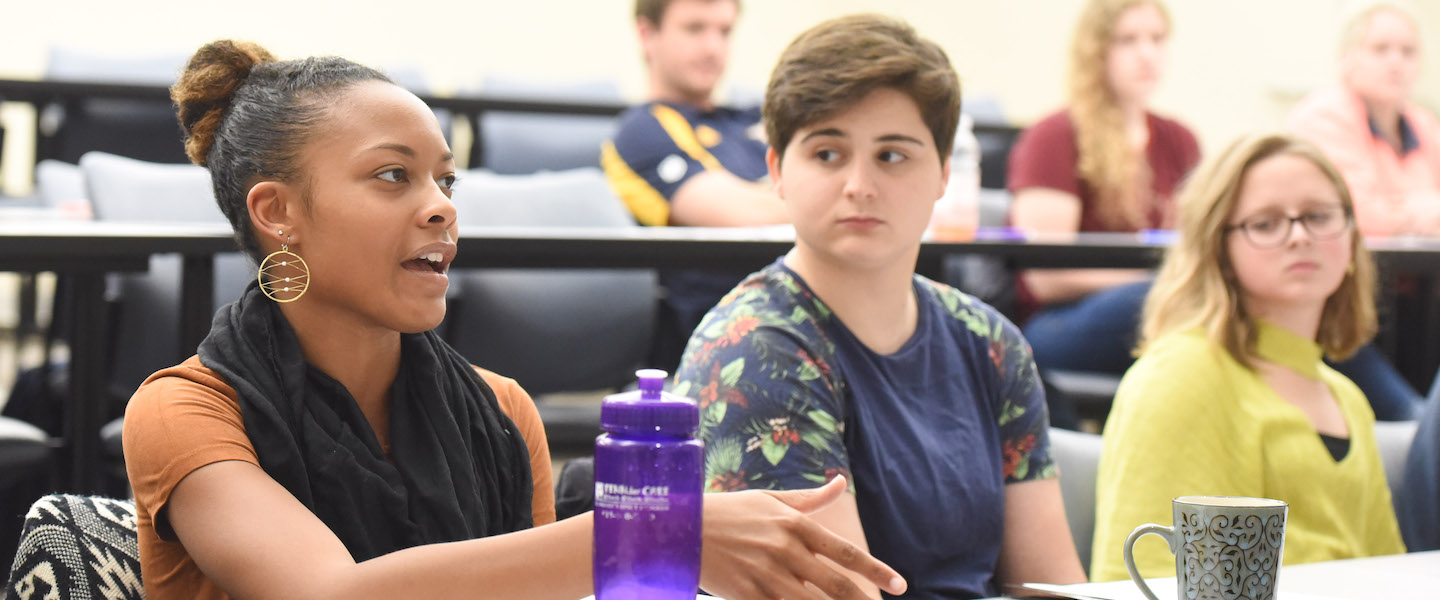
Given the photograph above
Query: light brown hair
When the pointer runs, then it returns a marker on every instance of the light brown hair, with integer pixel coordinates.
(1196, 285)
(1118, 174)
(837, 63)
(1355, 19)
(654, 10)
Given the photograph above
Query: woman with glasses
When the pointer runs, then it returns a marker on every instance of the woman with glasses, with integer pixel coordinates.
(1229, 395)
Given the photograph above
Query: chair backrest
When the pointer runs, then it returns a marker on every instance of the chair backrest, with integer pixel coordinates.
(551, 330)
(128, 190)
(412, 78)
(77, 547)
(1394, 438)
(1078, 457)
(520, 143)
(146, 331)
(140, 128)
(77, 64)
(58, 183)
(22, 447)
(574, 198)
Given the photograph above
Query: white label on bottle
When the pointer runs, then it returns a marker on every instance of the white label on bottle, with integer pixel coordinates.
(617, 497)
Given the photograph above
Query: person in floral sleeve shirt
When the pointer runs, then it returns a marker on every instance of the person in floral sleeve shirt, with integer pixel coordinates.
(839, 360)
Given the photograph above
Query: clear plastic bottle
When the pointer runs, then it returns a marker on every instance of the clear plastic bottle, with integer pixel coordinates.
(957, 213)
(648, 492)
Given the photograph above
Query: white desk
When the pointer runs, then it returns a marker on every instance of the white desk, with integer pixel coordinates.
(1415, 575)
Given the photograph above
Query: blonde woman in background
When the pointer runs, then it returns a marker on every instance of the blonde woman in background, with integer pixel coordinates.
(1229, 395)
(1103, 163)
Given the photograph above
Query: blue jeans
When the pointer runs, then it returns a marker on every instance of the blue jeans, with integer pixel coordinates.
(1097, 333)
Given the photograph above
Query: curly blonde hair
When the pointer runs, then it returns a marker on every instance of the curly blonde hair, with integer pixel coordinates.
(1118, 174)
(1197, 287)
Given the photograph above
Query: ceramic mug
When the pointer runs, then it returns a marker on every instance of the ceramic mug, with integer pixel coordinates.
(1225, 547)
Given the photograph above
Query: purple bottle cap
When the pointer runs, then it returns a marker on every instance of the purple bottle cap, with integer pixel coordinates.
(650, 411)
(652, 381)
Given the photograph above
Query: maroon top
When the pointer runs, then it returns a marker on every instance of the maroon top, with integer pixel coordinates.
(1045, 156)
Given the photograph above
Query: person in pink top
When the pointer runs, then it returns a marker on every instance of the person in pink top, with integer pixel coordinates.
(1387, 148)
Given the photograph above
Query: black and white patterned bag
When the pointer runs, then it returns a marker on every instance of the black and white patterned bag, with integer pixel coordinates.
(77, 547)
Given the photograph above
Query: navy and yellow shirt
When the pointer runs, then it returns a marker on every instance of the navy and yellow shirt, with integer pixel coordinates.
(928, 435)
(658, 146)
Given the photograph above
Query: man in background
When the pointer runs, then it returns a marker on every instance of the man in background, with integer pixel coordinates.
(679, 159)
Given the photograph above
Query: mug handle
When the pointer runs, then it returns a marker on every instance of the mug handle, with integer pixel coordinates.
(1164, 531)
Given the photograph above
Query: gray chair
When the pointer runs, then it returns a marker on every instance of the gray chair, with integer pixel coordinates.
(567, 330)
(125, 190)
(58, 183)
(136, 127)
(23, 446)
(1394, 438)
(1088, 393)
(521, 143)
(26, 471)
(412, 78)
(145, 307)
(1078, 457)
(134, 191)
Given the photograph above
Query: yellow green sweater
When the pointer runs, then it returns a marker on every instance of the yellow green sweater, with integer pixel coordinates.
(1189, 419)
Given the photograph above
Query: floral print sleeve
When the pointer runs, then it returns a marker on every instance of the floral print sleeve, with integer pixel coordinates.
(771, 413)
(1019, 399)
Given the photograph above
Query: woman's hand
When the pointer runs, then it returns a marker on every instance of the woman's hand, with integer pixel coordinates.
(762, 545)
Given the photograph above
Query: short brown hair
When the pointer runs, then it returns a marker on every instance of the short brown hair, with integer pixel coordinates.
(1196, 286)
(837, 63)
(654, 10)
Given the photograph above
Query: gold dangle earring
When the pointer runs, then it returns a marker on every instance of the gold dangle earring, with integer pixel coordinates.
(288, 275)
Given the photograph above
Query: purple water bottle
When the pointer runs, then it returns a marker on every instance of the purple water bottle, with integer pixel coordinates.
(648, 488)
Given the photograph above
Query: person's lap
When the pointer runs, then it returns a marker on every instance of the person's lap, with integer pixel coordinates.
(1097, 334)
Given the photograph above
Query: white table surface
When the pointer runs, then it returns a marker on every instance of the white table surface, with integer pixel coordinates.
(1415, 575)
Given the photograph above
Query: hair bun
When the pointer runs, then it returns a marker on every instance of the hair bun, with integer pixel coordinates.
(207, 86)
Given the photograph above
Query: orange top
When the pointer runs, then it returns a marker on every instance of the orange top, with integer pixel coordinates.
(1394, 192)
(185, 417)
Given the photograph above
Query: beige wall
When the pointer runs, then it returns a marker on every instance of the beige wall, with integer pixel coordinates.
(1236, 65)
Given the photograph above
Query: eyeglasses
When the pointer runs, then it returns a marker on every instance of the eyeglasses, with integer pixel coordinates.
(1272, 230)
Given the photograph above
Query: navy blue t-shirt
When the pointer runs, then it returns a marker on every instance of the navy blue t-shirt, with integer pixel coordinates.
(928, 435)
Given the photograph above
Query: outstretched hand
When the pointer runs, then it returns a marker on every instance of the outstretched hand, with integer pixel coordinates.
(763, 545)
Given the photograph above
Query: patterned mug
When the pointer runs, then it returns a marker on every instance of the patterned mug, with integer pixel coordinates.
(1225, 547)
